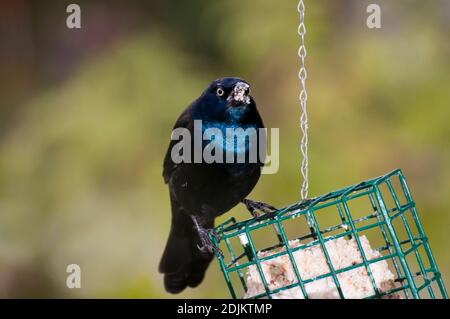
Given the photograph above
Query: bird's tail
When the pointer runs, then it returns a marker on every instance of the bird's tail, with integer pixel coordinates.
(182, 263)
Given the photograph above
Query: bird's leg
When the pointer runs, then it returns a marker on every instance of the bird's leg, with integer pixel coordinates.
(253, 207)
(207, 243)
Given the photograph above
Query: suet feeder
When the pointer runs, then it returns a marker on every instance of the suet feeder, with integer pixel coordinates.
(362, 241)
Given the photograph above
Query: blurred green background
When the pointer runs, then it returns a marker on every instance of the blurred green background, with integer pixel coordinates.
(86, 116)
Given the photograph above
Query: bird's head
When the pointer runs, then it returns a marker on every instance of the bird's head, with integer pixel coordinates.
(228, 95)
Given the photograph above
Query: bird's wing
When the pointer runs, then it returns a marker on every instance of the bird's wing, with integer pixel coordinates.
(185, 121)
(261, 134)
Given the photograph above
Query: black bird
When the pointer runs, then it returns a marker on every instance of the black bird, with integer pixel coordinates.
(199, 192)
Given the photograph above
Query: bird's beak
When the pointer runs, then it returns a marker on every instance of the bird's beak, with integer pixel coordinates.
(240, 94)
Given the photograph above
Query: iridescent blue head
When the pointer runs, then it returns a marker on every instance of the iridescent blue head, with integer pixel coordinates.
(227, 99)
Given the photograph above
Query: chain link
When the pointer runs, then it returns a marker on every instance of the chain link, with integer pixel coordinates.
(303, 97)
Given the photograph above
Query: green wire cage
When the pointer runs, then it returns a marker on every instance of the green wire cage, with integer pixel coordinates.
(381, 209)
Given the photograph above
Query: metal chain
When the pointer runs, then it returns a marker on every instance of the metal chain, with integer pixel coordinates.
(303, 97)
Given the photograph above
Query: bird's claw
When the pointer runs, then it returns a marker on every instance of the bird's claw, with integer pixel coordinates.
(268, 215)
(253, 207)
(208, 245)
(213, 233)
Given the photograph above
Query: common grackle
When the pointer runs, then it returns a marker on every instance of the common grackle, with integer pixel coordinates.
(201, 191)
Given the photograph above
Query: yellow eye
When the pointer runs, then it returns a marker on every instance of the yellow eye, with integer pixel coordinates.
(220, 92)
